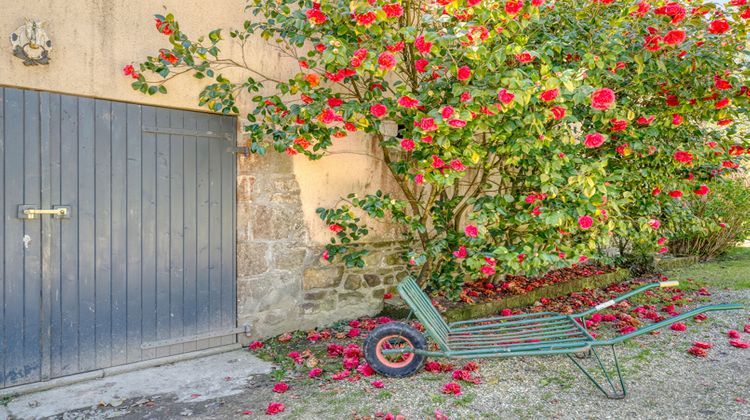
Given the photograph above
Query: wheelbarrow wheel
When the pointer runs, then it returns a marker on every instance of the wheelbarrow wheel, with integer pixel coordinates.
(395, 335)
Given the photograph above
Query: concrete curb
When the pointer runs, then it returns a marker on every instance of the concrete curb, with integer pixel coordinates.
(101, 373)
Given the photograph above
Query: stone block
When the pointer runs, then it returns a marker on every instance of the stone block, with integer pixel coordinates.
(393, 259)
(351, 298)
(274, 223)
(372, 280)
(252, 258)
(321, 277)
(317, 295)
(245, 185)
(373, 259)
(288, 258)
(353, 282)
(378, 293)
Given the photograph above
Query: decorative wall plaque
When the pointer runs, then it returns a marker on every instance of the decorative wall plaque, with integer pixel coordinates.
(31, 43)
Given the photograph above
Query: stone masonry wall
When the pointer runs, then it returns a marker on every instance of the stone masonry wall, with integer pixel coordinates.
(283, 284)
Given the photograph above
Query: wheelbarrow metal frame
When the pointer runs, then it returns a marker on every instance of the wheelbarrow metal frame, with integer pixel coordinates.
(534, 334)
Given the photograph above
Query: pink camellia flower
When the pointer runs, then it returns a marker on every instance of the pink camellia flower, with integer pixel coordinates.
(661, 240)
(408, 102)
(421, 65)
(487, 270)
(549, 95)
(129, 70)
(393, 10)
(419, 179)
(593, 140)
(452, 388)
(378, 110)
(407, 144)
(315, 372)
(471, 231)
(365, 370)
(558, 112)
(463, 73)
(505, 97)
(674, 37)
(465, 97)
(456, 165)
(456, 123)
(703, 345)
(255, 345)
(280, 387)
(354, 332)
(437, 163)
(427, 124)
(421, 45)
(702, 190)
(386, 60)
(602, 99)
(718, 26)
(585, 222)
(377, 384)
(654, 224)
(521, 258)
(677, 119)
(275, 408)
(461, 253)
(747, 328)
(447, 112)
(618, 125)
(733, 334)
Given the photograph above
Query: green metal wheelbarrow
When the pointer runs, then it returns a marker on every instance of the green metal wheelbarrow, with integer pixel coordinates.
(396, 349)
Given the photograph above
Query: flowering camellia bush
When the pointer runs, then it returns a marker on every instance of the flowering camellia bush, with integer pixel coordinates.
(529, 132)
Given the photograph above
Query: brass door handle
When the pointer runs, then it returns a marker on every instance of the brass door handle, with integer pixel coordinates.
(31, 211)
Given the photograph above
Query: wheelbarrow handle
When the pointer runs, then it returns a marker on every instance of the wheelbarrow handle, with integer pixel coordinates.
(607, 304)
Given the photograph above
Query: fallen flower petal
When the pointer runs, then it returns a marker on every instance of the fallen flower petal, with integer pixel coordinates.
(280, 387)
(733, 334)
(739, 344)
(698, 352)
(452, 388)
(678, 326)
(703, 345)
(377, 384)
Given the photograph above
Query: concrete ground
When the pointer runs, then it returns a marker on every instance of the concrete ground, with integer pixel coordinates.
(204, 379)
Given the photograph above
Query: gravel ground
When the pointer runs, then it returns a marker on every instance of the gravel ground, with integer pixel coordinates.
(663, 380)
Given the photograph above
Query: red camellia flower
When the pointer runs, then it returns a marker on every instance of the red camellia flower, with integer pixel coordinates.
(393, 10)
(683, 157)
(255, 345)
(129, 70)
(702, 190)
(524, 57)
(698, 351)
(593, 140)
(678, 326)
(558, 112)
(378, 110)
(463, 73)
(674, 37)
(673, 10)
(654, 224)
(315, 16)
(512, 7)
(386, 60)
(718, 26)
(274, 408)
(315, 372)
(505, 97)
(365, 19)
(675, 193)
(549, 95)
(721, 84)
(645, 121)
(427, 124)
(733, 334)
(447, 112)
(618, 125)
(163, 27)
(421, 65)
(721, 103)
(335, 228)
(167, 56)
(602, 99)
(585, 222)
(280, 388)
(471, 231)
(677, 119)
(452, 388)
(408, 102)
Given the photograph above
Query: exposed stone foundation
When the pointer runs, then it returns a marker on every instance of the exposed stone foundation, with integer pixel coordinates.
(282, 282)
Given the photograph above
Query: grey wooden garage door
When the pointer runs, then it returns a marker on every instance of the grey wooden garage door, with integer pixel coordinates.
(142, 265)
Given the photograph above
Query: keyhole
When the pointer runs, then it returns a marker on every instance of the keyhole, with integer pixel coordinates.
(26, 239)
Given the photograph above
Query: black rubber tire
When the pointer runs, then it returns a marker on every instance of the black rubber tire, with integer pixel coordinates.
(417, 339)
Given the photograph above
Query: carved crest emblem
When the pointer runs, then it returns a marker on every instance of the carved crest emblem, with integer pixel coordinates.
(31, 43)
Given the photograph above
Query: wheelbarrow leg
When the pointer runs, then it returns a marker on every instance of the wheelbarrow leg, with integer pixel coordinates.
(612, 389)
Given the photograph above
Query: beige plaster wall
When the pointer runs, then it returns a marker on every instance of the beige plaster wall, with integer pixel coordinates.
(93, 40)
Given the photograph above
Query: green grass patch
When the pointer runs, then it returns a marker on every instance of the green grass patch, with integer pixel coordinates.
(732, 271)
